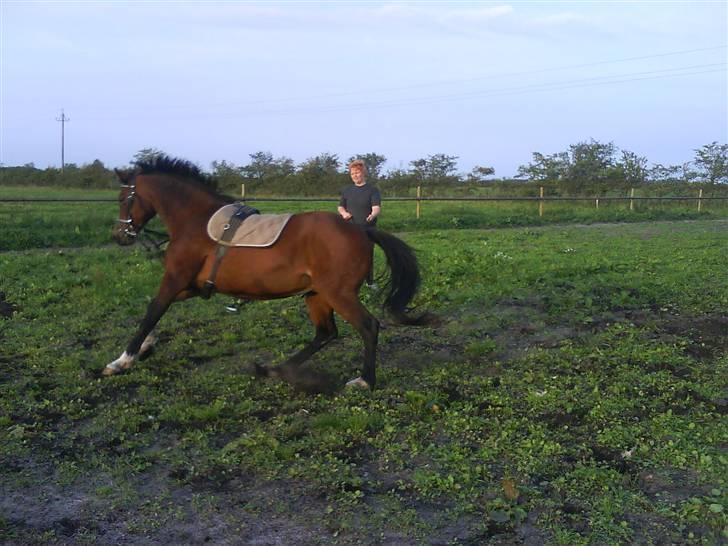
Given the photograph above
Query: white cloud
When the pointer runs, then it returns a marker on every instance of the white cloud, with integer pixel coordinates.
(559, 19)
(478, 15)
(436, 14)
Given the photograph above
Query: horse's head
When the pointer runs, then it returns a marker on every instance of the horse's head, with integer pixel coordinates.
(134, 209)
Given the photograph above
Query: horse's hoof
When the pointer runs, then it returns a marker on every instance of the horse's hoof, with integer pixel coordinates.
(110, 370)
(146, 354)
(358, 382)
(124, 362)
(147, 346)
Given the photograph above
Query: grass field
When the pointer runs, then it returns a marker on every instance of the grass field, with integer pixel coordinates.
(575, 392)
(39, 225)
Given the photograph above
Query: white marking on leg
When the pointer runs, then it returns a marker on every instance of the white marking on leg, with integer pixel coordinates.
(124, 362)
(148, 343)
(358, 382)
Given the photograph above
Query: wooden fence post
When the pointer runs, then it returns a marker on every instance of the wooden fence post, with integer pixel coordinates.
(419, 195)
(242, 191)
(700, 199)
(631, 202)
(540, 203)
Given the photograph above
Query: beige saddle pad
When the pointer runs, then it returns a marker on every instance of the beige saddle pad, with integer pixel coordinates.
(258, 230)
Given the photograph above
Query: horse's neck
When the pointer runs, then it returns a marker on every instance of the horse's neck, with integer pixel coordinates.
(181, 204)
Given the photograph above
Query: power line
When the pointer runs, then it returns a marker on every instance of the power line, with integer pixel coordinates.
(508, 91)
(424, 85)
(552, 86)
(521, 91)
(507, 74)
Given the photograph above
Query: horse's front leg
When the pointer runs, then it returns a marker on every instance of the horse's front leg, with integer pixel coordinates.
(143, 341)
(147, 345)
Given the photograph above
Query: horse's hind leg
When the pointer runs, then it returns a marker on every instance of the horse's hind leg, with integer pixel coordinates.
(353, 312)
(322, 317)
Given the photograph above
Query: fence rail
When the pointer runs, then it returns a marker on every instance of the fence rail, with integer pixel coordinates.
(336, 199)
(419, 199)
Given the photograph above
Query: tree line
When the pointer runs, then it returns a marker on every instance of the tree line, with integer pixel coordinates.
(585, 168)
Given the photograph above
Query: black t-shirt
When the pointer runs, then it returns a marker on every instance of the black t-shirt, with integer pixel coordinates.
(358, 201)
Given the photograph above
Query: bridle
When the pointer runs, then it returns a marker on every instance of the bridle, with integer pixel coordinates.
(153, 239)
(130, 230)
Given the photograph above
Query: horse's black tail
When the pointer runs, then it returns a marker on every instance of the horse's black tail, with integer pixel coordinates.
(404, 278)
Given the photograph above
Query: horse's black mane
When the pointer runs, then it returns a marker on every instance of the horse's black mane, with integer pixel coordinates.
(163, 164)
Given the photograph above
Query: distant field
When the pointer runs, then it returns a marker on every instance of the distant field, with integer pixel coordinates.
(38, 225)
(37, 192)
(575, 393)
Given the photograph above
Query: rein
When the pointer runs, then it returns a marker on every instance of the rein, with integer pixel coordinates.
(153, 240)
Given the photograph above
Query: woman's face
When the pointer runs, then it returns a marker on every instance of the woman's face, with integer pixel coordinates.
(357, 175)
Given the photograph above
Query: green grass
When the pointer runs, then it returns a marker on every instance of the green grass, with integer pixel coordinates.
(44, 192)
(41, 225)
(573, 394)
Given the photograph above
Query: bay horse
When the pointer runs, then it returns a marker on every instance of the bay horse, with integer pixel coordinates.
(318, 255)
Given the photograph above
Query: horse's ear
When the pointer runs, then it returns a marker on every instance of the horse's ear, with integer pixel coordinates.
(123, 176)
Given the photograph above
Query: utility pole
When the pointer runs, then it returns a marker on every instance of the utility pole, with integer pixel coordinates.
(63, 119)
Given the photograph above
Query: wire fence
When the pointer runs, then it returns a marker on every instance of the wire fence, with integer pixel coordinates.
(422, 199)
(418, 200)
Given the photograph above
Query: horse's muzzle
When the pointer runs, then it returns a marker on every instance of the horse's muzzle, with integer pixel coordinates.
(122, 236)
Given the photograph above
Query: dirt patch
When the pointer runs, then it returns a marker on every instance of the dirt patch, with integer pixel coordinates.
(707, 335)
(671, 484)
(486, 333)
(29, 513)
(164, 512)
(612, 458)
(652, 529)
(516, 326)
(7, 308)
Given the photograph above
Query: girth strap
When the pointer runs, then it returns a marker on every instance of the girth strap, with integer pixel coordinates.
(242, 212)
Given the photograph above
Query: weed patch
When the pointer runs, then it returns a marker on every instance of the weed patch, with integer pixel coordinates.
(574, 393)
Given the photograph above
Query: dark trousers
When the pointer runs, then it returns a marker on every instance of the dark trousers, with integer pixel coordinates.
(370, 273)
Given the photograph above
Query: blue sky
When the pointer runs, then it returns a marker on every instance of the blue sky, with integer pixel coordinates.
(489, 82)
